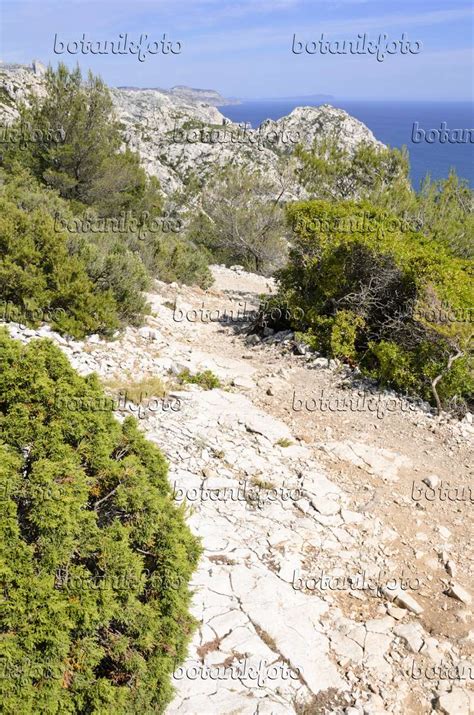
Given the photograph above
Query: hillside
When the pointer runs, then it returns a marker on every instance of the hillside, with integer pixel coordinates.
(159, 125)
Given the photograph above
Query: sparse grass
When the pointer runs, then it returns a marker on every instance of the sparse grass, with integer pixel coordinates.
(207, 380)
(262, 483)
(323, 703)
(222, 559)
(283, 442)
(266, 638)
(151, 386)
(208, 647)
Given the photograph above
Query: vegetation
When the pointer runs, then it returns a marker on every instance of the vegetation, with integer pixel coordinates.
(441, 210)
(333, 173)
(86, 165)
(95, 557)
(238, 223)
(135, 390)
(96, 280)
(207, 380)
(373, 296)
(37, 273)
(57, 259)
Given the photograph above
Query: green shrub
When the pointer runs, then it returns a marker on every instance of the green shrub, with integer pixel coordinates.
(363, 287)
(95, 557)
(207, 380)
(112, 266)
(442, 210)
(332, 172)
(38, 274)
(175, 258)
(111, 261)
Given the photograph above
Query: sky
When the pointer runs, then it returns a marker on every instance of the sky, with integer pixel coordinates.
(243, 48)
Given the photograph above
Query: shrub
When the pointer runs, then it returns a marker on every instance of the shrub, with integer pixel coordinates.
(114, 267)
(110, 261)
(177, 259)
(239, 222)
(332, 172)
(442, 210)
(38, 274)
(376, 294)
(206, 379)
(95, 557)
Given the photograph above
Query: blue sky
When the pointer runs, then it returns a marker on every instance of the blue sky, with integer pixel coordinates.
(243, 47)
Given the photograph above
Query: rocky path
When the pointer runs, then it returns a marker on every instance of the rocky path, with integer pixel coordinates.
(331, 581)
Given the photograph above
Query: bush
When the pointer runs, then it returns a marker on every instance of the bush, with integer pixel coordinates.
(110, 261)
(113, 266)
(174, 258)
(368, 290)
(207, 380)
(441, 210)
(332, 172)
(239, 222)
(38, 274)
(95, 557)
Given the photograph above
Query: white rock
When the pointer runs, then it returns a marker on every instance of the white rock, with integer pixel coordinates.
(402, 598)
(444, 532)
(431, 481)
(411, 634)
(460, 593)
(457, 702)
(451, 567)
(243, 382)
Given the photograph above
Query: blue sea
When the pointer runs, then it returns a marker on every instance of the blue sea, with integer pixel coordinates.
(391, 123)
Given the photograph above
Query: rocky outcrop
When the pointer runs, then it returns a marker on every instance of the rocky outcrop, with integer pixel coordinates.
(191, 94)
(177, 132)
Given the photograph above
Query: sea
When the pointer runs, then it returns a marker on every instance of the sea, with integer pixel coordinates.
(391, 123)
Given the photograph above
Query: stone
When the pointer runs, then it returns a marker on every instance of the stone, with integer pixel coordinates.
(402, 599)
(451, 567)
(457, 702)
(460, 593)
(397, 613)
(325, 506)
(243, 382)
(320, 362)
(410, 633)
(382, 462)
(374, 706)
(300, 348)
(380, 625)
(345, 646)
(431, 481)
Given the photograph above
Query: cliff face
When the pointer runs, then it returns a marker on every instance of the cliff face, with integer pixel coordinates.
(177, 133)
